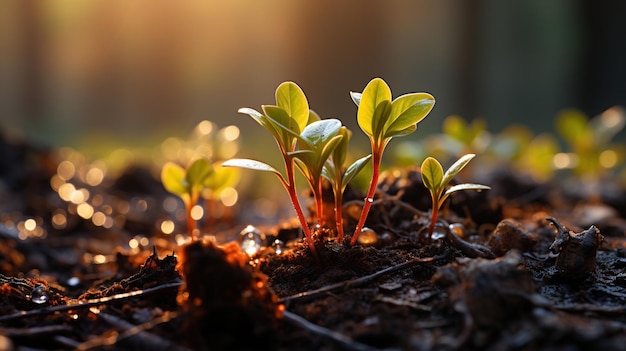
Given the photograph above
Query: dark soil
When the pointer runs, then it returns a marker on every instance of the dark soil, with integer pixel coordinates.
(524, 266)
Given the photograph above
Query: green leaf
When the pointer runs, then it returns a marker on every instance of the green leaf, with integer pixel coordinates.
(456, 168)
(313, 116)
(573, 126)
(459, 187)
(173, 179)
(356, 98)
(267, 123)
(221, 178)
(432, 174)
(320, 132)
(380, 118)
(408, 110)
(400, 133)
(251, 164)
(197, 172)
(291, 98)
(329, 171)
(341, 151)
(374, 93)
(354, 169)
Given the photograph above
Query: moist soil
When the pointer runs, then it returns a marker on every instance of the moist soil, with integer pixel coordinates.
(524, 266)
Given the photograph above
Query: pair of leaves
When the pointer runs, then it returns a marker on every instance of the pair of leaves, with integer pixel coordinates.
(186, 182)
(333, 169)
(287, 118)
(436, 180)
(381, 118)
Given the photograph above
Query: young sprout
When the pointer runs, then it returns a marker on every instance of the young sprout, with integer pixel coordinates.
(315, 145)
(285, 121)
(436, 182)
(339, 177)
(187, 184)
(382, 119)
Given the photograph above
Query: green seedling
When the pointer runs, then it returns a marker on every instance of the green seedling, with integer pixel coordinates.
(382, 119)
(316, 143)
(187, 184)
(436, 181)
(339, 177)
(589, 141)
(285, 121)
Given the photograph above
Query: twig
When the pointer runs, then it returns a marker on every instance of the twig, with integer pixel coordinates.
(358, 281)
(136, 334)
(34, 331)
(88, 303)
(342, 339)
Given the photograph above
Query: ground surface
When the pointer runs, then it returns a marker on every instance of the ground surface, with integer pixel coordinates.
(498, 275)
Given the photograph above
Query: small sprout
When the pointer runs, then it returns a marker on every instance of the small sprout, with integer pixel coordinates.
(251, 240)
(292, 124)
(339, 177)
(316, 143)
(383, 119)
(436, 182)
(187, 184)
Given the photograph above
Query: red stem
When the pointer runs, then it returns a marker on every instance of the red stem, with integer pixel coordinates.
(377, 151)
(293, 196)
(433, 221)
(339, 214)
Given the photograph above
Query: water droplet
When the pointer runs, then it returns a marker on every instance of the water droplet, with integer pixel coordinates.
(251, 239)
(73, 281)
(368, 237)
(39, 295)
(438, 235)
(369, 199)
(278, 246)
(458, 229)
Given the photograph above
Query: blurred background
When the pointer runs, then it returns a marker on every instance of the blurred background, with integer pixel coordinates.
(74, 72)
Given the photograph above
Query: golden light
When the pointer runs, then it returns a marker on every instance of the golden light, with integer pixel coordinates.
(167, 227)
(94, 176)
(99, 259)
(66, 190)
(133, 243)
(608, 158)
(99, 219)
(30, 224)
(59, 219)
(205, 127)
(230, 133)
(171, 148)
(56, 182)
(229, 196)
(564, 160)
(66, 170)
(197, 212)
(84, 210)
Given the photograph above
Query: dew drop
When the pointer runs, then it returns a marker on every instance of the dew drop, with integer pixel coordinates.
(437, 235)
(39, 295)
(73, 281)
(368, 237)
(251, 239)
(458, 229)
(278, 246)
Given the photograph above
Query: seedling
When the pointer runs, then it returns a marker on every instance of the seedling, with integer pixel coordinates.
(339, 177)
(436, 182)
(381, 119)
(187, 184)
(316, 143)
(285, 121)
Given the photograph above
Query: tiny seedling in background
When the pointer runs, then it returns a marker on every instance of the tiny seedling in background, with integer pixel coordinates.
(381, 119)
(339, 177)
(285, 121)
(187, 184)
(436, 181)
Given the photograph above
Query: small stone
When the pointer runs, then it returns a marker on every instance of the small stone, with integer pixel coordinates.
(508, 235)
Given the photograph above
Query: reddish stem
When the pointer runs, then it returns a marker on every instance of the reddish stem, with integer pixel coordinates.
(433, 221)
(339, 215)
(377, 151)
(293, 196)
